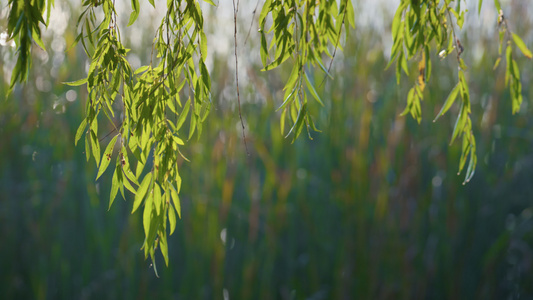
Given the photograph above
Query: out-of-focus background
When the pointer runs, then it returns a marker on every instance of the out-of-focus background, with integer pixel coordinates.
(371, 208)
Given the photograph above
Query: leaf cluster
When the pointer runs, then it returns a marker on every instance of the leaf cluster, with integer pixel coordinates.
(156, 100)
(420, 26)
(23, 27)
(304, 31)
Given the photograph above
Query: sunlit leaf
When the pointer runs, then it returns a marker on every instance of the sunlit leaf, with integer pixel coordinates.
(449, 101)
(106, 157)
(114, 185)
(298, 125)
(147, 213)
(80, 131)
(497, 4)
(141, 192)
(312, 89)
(171, 218)
(77, 82)
(157, 198)
(459, 123)
(95, 146)
(175, 200)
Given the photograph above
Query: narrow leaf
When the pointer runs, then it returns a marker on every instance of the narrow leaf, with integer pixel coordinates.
(312, 89)
(449, 101)
(497, 4)
(297, 127)
(183, 114)
(171, 218)
(95, 145)
(77, 82)
(141, 192)
(106, 157)
(522, 46)
(80, 131)
(459, 124)
(156, 194)
(147, 214)
(175, 200)
(114, 186)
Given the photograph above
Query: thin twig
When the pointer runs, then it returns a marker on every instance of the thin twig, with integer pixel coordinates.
(458, 47)
(251, 23)
(235, 10)
(113, 130)
(336, 46)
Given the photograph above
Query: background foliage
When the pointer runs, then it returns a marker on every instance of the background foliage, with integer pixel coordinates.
(370, 208)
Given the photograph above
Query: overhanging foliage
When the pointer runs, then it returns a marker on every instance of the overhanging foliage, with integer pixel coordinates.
(163, 104)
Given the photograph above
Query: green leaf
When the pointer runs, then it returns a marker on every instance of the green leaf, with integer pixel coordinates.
(157, 198)
(192, 126)
(89, 33)
(449, 101)
(497, 4)
(516, 70)
(80, 131)
(171, 218)
(398, 68)
(466, 147)
(350, 13)
(403, 62)
(459, 123)
(282, 121)
(298, 125)
(95, 145)
(77, 82)
(410, 97)
(509, 69)
(203, 44)
(147, 214)
(264, 12)
(397, 20)
(114, 185)
(106, 157)
(205, 75)
(141, 69)
(312, 89)
(263, 49)
(177, 140)
(87, 147)
(135, 13)
(175, 200)
(183, 115)
(163, 246)
(471, 165)
(522, 46)
(141, 192)
(288, 98)
(37, 38)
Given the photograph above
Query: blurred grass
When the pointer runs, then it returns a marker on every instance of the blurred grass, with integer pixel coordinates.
(371, 208)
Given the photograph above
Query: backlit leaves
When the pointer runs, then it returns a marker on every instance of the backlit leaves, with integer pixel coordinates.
(302, 32)
(522, 46)
(512, 71)
(156, 109)
(418, 27)
(152, 112)
(23, 28)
